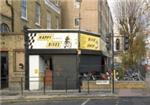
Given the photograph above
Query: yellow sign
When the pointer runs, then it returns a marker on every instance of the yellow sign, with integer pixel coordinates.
(89, 42)
(54, 44)
(36, 71)
(45, 37)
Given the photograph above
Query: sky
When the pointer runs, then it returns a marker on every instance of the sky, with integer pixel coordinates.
(111, 3)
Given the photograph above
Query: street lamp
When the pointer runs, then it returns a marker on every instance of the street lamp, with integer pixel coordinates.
(79, 14)
(79, 52)
(110, 43)
(112, 37)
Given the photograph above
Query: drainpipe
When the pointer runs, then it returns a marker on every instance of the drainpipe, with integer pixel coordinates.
(12, 12)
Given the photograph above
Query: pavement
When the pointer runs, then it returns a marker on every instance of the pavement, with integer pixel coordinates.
(9, 96)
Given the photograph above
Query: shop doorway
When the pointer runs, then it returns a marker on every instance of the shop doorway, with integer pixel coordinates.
(4, 70)
(49, 73)
(103, 65)
(40, 66)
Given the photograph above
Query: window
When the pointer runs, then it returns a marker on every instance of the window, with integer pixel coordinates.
(24, 9)
(77, 21)
(4, 28)
(57, 22)
(48, 21)
(77, 3)
(78, 0)
(37, 14)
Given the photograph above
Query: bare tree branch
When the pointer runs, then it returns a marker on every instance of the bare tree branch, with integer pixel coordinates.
(132, 18)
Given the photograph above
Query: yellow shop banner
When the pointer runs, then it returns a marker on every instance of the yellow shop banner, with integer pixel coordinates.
(89, 42)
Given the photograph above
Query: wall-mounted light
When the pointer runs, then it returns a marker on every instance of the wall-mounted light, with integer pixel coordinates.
(21, 66)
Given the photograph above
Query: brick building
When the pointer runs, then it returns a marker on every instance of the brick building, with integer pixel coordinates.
(89, 15)
(16, 14)
(95, 15)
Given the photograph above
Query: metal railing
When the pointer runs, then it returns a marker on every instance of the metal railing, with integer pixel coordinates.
(64, 86)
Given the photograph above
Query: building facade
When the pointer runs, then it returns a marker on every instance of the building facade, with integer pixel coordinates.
(15, 15)
(89, 15)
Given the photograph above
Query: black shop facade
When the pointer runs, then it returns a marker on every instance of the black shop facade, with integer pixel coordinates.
(64, 54)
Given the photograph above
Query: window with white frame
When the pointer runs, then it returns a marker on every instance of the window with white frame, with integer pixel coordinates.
(24, 9)
(49, 20)
(37, 14)
(76, 22)
(77, 3)
(57, 22)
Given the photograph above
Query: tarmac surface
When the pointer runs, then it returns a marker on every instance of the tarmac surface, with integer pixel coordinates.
(90, 101)
(9, 96)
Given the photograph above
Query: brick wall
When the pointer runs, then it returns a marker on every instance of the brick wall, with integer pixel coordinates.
(118, 85)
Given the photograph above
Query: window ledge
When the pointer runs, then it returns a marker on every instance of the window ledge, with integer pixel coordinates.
(76, 26)
(37, 24)
(24, 18)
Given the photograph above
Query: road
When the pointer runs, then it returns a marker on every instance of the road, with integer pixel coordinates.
(91, 101)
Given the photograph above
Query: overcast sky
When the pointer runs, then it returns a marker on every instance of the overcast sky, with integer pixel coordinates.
(111, 3)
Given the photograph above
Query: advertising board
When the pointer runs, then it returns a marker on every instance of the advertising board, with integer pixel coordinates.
(89, 42)
(52, 41)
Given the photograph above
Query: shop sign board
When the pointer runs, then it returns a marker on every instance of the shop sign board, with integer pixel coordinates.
(89, 42)
(53, 41)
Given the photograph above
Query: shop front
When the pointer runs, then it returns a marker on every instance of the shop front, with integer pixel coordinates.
(60, 56)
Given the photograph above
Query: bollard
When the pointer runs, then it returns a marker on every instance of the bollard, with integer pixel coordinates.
(44, 85)
(21, 86)
(66, 81)
(111, 85)
(88, 86)
(80, 82)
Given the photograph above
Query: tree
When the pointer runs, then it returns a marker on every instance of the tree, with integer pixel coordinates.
(130, 19)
